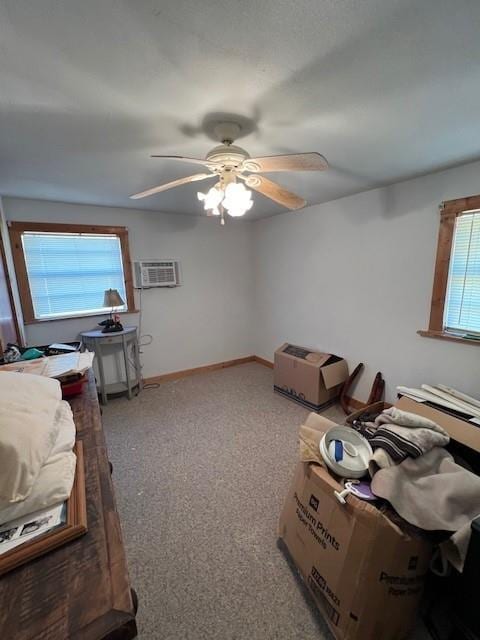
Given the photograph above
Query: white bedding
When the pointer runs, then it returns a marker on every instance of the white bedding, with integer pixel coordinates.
(53, 485)
(28, 431)
(66, 429)
(55, 479)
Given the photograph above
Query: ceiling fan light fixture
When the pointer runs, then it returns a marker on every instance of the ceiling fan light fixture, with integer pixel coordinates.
(238, 199)
(211, 200)
(228, 163)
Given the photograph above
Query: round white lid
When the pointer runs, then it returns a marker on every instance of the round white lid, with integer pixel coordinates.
(356, 452)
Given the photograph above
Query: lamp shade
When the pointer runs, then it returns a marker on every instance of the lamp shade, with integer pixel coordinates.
(112, 298)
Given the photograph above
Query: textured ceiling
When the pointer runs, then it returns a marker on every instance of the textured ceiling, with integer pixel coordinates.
(385, 89)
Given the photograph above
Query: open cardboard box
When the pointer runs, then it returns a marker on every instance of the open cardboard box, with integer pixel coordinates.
(376, 407)
(364, 572)
(460, 430)
(312, 378)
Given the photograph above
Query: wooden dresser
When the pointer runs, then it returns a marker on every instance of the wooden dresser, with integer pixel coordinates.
(79, 591)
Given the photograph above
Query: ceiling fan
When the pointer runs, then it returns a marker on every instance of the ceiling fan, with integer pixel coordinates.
(233, 168)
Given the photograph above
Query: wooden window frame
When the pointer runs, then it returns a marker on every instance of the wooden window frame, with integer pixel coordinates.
(17, 228)
(11, 301)
(449, 212)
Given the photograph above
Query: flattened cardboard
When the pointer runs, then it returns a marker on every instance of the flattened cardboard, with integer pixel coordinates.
(460, 430)
(312, 378)
(365, 575)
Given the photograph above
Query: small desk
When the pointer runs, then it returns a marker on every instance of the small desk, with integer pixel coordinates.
(94, 340)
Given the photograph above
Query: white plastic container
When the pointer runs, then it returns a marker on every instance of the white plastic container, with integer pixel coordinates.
(356, 452)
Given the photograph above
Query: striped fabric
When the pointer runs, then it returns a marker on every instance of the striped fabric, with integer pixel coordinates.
(394, 444)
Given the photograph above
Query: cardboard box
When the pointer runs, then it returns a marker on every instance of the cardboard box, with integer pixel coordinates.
(376, 407)
(312, 378)
(365, 575)
(462, 431)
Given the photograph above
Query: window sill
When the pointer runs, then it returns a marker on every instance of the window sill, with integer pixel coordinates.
(81, 315)
(443, 335)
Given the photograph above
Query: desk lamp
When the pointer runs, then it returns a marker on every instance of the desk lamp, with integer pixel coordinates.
(112, 299)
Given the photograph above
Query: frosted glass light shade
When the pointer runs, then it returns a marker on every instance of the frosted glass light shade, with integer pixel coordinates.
(238, 199)
(211, 200)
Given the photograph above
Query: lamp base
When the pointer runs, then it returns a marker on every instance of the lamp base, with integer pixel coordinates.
(110, 326)
(113, 328)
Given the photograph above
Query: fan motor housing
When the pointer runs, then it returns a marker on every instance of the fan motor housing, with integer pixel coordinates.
(227, 156)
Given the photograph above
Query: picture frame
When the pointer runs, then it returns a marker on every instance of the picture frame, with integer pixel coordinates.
(74, 526)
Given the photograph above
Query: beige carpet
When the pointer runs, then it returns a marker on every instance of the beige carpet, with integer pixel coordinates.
(201, 469)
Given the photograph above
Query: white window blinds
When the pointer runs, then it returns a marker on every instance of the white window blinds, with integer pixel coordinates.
(69, 272)
(462, 303)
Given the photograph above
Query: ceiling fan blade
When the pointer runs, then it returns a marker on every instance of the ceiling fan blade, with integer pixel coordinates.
(206, 163)
(275, 192)
(291, 162)
(170, 185)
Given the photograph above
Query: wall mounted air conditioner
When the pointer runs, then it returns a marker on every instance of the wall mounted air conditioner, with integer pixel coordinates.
(157, 273)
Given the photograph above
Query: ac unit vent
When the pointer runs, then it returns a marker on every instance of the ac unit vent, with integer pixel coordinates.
(157, 273)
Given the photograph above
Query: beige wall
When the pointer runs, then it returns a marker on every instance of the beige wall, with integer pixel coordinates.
(206, 320)
(354, 277)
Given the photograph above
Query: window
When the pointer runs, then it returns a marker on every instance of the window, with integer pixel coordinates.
(462, 302)
(64, 270)
(455, 309)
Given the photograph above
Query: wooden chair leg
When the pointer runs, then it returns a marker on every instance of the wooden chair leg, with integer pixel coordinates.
(134, 600)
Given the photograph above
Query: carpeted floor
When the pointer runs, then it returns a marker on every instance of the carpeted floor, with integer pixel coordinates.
(201, 469)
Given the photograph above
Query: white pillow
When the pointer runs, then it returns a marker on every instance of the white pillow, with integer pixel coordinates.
(28, 430)
(53, 485)
(66, 429)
